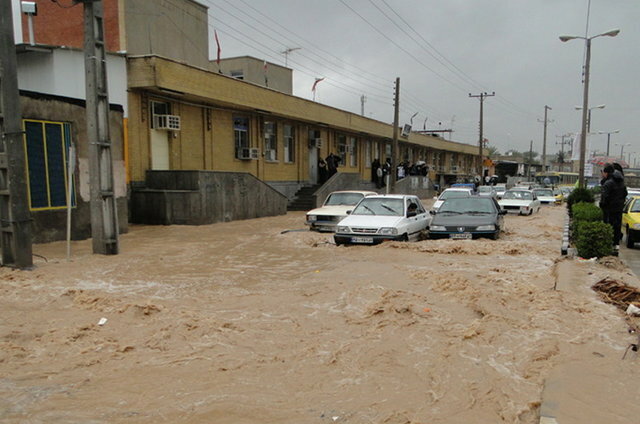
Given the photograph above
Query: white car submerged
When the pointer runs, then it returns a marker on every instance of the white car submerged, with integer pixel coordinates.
(451, 193)
(383, 217)
(334, 209)
(545, 196)
(524, 202)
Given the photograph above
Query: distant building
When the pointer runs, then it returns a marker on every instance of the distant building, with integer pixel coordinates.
(257, 71)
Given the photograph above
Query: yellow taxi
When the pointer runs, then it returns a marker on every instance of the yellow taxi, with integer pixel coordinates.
(557, 193)
(631, 220)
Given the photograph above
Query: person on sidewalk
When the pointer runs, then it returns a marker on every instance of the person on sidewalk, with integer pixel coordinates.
(612, 199)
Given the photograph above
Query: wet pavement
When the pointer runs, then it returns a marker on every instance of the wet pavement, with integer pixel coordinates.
(631, 256)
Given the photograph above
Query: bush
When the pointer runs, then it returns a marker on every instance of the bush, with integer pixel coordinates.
(594, 239)
(584, 212)
(579, 195)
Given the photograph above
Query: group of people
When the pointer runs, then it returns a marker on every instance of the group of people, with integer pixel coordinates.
(327, 167)
(380, 171)
(612, 198)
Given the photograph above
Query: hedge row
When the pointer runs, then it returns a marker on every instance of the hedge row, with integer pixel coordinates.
(591, 236)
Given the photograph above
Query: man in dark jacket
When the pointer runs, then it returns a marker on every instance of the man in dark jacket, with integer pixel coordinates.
(612, 199)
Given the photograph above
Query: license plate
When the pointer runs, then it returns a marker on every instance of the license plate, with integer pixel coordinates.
(362, 240)
(461, 236)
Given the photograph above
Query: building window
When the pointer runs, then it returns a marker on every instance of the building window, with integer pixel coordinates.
(387, 151)
(241, 134)
(342, 148)
(46, 148)
(270, 142)
(353, 151)
(237, 74)
(289, 144)
(158, 109)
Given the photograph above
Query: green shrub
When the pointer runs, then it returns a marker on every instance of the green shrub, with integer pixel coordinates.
(594, 239)
(579, 195)
(584, 212)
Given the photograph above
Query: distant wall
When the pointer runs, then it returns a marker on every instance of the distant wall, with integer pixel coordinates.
(203, 197)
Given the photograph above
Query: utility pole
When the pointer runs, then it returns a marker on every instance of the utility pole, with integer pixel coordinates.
(394, 145)
(530, 158)
(363, 100)
(544, 139)
(481, 96)
(15, 217)
(104, 216)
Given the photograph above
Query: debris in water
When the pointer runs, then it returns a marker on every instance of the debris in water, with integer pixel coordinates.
(617, 293)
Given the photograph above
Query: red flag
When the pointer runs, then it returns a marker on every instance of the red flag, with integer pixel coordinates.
(316, 83)
(215, 34)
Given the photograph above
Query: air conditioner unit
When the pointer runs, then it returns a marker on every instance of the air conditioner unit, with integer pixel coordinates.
(244, 153)
(254, 152)
(454, 169)
(318, 143)
(166, 122)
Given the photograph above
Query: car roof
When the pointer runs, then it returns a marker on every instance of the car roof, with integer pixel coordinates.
(457, 189)
(354, 191)
(391, 196)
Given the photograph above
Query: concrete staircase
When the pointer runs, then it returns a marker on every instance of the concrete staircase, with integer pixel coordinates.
(304, 199)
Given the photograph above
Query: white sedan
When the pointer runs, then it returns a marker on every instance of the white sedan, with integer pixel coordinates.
(524, 202)
(383, 217)
(451, 193)
(334, 209)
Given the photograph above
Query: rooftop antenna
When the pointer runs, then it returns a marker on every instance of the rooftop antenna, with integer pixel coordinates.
(286, 52)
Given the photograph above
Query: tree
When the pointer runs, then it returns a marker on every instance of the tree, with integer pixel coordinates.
(560, 157)
(493, 152)
(530, 157)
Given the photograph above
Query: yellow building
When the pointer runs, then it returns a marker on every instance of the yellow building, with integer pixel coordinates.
(183, 117)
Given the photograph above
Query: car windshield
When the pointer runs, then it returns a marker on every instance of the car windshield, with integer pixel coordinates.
(517, 195)
(501, 187)
(468, 205)
(348, 199)
(485, 189)
(544, 193)
(380, 206)
(636, 206)
(453, 194)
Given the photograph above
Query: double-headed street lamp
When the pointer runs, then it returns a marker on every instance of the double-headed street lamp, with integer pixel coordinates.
(585, 99)
(608, 133)
(589, 116)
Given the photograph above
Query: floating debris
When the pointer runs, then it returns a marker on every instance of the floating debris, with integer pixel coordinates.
(617, 293)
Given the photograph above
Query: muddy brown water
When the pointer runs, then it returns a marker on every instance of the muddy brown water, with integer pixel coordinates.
(240, 323)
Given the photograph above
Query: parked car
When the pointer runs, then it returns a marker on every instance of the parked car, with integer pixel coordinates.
(546, 196)
(500, 189)
(524, 202)
(383, 217)
(632, 192)
(487, 191)
(451, 193)
(466, 218)
(334, 209)
(631, 220)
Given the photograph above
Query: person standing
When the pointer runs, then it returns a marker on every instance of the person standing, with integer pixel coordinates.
(375, 165)
(612, 199)
(322, 171)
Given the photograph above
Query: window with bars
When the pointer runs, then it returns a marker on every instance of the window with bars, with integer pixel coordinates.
(241, 133)
(46, 149)
(289, 143)
(270, 141)
(353, 151)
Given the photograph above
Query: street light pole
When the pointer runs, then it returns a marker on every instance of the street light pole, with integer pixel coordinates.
(585, 99)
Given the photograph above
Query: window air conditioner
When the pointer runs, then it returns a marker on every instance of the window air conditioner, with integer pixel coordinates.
(166, 122)
(244, 153)
(318, 143)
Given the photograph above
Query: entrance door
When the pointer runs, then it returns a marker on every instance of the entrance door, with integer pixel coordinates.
(159, 150)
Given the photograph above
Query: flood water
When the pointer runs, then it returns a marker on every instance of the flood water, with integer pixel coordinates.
(241, 323)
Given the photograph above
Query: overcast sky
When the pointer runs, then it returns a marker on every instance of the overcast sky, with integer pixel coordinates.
(443, 51)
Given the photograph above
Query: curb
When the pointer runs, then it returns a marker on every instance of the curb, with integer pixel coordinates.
(564, 249)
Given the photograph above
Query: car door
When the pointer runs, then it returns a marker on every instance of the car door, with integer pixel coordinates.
(625, 213)
(420, 221)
